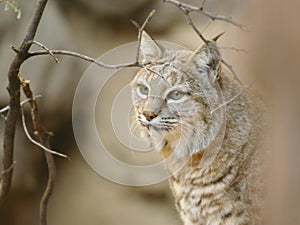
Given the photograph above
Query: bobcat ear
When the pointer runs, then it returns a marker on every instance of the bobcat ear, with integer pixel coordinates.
(149, 49)
(208, 58)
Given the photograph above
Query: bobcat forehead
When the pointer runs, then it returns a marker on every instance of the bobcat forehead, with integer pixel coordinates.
(161, 77)
(172, 78)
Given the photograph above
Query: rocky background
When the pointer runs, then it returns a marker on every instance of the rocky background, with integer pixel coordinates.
(93, 27)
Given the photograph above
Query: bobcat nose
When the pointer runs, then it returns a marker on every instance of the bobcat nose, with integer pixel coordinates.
(149, 115)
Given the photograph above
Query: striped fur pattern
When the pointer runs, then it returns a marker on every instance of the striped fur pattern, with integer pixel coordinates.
(213, 156)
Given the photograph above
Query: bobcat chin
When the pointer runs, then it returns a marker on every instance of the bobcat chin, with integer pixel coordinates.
(215, 152)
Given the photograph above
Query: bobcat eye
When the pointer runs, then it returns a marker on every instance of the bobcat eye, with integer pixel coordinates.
(175, 95)
(143, 90)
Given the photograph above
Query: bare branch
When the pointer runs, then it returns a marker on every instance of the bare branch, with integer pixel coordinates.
(233, 49)
(141, 28)
(149, 70)
(184, 5)
(203, 3)
(8, 169)
(43, 136)
(6, 108)
(15, 49)
(86, 58)
(14, 103)
(214, 16)
(51, 169)
(33, 24)
(191, 23)
(46, 49)
(13, 5)
(232, 99)
(147, 20)
(30, 99)
(34, 141)
(187, 9)
(230, 67)
(227, 19)
(206, 25)
(50, 186)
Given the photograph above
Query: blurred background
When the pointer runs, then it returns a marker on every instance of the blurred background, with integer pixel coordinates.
(93, 27)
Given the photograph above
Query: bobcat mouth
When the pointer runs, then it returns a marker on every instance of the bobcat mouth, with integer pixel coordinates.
(158, 125)
(155, 127)
(148, 125)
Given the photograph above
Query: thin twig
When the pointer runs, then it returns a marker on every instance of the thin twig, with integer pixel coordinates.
(186, 9)
(214, 16)
(8, 169)
(46, 49)
(6, 108)
(141, 29)
(233, 49)
(15, 49)
(86, 58)
(227, 19)
(34, 141)
(233, 98)
(147, 20)
(30, 99)
(14, 6)
(230, 67)
(191, 23)
(206, 25)
(149, 70)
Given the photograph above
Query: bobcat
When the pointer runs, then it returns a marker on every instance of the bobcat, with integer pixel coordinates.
(212, 151)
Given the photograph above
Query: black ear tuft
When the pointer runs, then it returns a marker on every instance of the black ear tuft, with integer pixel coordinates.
(218, 36)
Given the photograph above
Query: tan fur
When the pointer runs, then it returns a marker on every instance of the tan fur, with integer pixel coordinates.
(214, 157)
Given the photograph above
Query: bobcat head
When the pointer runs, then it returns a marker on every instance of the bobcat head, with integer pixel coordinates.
(173, 96)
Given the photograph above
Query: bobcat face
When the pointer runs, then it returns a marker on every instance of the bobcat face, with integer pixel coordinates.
(173, 96)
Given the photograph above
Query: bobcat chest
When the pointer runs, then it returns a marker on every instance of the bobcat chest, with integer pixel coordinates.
(197, 202)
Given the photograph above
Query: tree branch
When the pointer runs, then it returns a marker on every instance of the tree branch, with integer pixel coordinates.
(6, 108)
(187, 9)
(14, 102)
(8, 169)
(234, 49)
(34, 141)
(191, 23)
(140, 29)
(43, 137)
(86, 58)
(33, 25)
(214, 16)
(46, 49)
